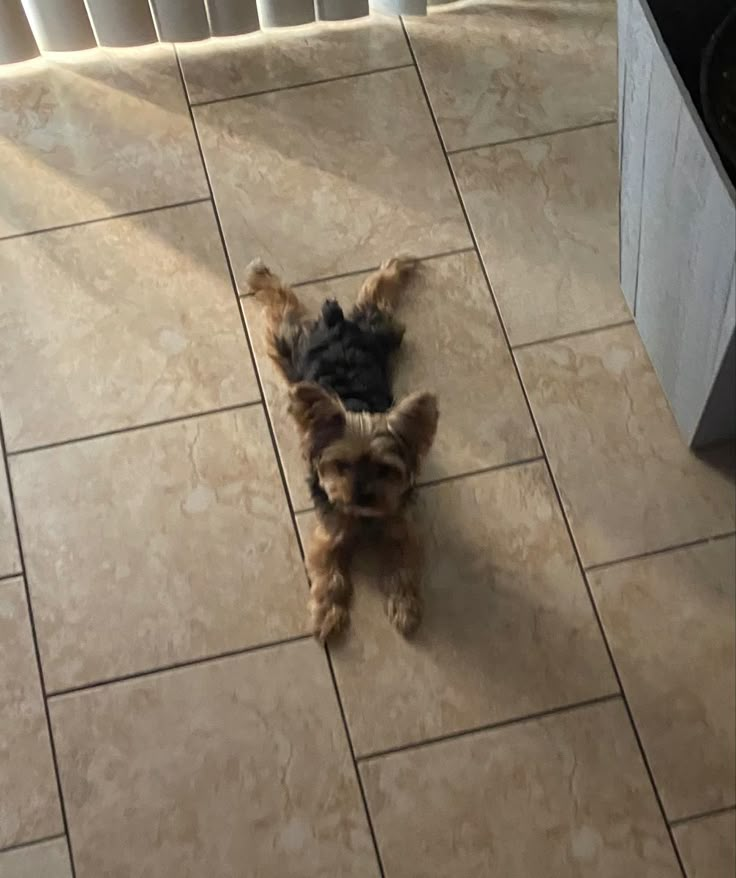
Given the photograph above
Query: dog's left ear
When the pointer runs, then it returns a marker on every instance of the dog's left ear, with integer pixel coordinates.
(319, 415)
(414, 422)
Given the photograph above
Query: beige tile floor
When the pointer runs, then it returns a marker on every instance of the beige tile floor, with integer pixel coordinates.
(567, 708)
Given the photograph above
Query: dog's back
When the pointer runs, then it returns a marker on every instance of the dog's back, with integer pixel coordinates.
(349, 356)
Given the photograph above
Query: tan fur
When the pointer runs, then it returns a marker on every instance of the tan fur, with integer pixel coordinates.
(330, 586)
(366, 464)
(383, 287)
(284, 312)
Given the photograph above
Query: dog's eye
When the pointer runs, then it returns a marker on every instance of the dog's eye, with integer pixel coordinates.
(341, 466)
(384, 471)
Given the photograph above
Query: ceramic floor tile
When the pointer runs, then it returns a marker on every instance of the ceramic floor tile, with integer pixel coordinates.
(564, 796)
(102, 133)
(509, 69)
(49, 859)
(629, 483)
(118, 323)
(193, 551)
(671, 623)
(268, 60)
(453, 346)
(708, 846)
(29, 805)
(9, 560)
(508, 627)
(233, 767)
(331, 178)
(545, 212)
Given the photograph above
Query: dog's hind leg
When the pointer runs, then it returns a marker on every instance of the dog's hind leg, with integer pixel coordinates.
(285, 315)
(381, 289)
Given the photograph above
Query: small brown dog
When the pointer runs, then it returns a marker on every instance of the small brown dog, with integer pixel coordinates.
(363, 451)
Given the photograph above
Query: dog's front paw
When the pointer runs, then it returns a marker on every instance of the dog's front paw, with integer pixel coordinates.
(404, 612)
(328, 606)
(329, 621)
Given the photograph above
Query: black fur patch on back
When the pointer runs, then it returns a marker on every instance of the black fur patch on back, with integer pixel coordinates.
(349, 356)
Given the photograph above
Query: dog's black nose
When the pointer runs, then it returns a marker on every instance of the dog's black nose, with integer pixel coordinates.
(364, 498)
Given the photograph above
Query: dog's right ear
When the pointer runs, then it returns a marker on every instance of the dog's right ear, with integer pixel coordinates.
(319, 416)
(414, 422)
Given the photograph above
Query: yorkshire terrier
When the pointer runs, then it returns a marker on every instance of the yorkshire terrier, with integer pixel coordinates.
(363, 450)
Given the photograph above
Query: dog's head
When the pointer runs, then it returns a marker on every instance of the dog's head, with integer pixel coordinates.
(366, 463)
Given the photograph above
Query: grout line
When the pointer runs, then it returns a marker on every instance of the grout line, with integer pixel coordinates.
(606, 644)
(274, 445)
(37, 651)
(28, 844)
(603, 565)
(459, 476)
(494, 726)
(604, 637)
(549, 468)
(282, 471)
(176, 666)
(104, 219)
(234, 285)
(6, 577)
(576, 334)
(135, 428)
(329, 277)
(358, 776)
(703, 815)
(526, 137)
(431, 483)
(268, 91)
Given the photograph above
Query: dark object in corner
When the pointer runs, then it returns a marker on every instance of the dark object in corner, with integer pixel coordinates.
(687, 28)
(718, 90)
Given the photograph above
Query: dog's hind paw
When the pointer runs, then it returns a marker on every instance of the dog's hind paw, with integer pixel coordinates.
(258, 275)
(257, 266)
(403, 264)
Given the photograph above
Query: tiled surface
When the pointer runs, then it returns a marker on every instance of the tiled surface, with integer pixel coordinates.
(193, 552)
(238, 764)
(497, 71)
(708, 846)
(628, 483)
(9, 560)
(104, 133)
(671, 622)
(29, 805)
(566, 795)
(169, 540)
(118, 323)
(268, 60)
(545, 212)
(48, 859)
(453, 346)
(508, 628)
(360, 154)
